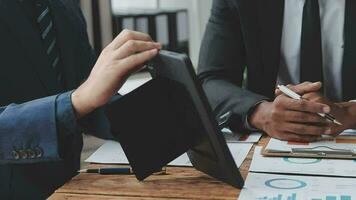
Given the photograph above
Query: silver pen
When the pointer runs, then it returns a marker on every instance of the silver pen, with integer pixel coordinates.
(296, 96)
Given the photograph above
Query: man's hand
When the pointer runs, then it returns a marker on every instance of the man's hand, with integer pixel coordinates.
(292, 120)
(127, 54)
(343, 112)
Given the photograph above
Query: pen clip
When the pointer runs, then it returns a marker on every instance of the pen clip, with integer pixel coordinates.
(324, 151)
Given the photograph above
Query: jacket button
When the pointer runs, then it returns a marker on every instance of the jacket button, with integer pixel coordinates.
(38, 152)
(15, 155)
(31, 154)
(23, 154)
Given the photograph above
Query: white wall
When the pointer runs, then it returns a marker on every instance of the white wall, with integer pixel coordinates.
(198, 11)
(123, 4)
(105, 20)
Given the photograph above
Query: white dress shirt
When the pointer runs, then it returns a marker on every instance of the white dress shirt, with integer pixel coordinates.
(332, 16)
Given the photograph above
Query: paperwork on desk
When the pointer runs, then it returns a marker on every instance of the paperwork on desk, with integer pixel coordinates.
(240, 137)
(285, 187)
(306, 166)
(112, 153)
(344, 144)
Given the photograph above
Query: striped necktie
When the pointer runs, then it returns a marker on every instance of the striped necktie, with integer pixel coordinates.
(46, 27)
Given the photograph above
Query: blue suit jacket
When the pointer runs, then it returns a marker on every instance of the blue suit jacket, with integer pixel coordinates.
(37, 153)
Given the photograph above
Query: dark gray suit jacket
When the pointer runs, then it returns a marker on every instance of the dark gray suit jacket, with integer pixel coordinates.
(26, 74)
(246, 35)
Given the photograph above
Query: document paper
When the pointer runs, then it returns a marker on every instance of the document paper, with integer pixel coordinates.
(240, 137)
(313, 166)
(346, 141)
(285, 187)
(112, 153)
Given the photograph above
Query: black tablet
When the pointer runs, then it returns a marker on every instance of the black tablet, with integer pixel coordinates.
(168, 116)
(210, 153)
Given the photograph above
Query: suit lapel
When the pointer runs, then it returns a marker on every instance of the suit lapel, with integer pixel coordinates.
(271, 18)
(29, 42)
(349, 62)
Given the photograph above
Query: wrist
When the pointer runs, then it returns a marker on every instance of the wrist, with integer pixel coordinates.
(258, 117)
(81, 103)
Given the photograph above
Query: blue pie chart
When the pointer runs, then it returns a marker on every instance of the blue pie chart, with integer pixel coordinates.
(285, 183)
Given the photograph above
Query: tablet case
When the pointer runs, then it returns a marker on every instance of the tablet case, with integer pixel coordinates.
(153, 126)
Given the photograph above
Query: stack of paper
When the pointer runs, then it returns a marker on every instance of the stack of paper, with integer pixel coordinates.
(112, 153)
(306, 186)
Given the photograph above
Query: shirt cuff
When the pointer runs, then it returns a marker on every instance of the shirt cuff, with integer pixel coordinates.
(65, 115)
(247, 124)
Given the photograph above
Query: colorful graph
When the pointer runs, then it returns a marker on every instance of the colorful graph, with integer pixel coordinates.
(285, 183)
(332, 197)
(301, 161)
(280, 197)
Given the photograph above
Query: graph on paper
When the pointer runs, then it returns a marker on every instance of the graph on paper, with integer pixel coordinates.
(259, 186)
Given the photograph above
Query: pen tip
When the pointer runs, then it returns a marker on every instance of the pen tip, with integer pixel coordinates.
(82, 171)
(337, 122)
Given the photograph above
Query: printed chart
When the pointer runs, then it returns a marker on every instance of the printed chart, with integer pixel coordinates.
(306, 166)
(260, 186)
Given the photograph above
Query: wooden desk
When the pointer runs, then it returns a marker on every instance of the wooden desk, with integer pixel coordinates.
(179, 183)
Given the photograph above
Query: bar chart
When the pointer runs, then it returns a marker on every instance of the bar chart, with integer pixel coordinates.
(280, 197)
(333, 197)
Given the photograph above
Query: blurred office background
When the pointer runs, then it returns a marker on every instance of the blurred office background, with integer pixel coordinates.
(171, 22)
(178, 24)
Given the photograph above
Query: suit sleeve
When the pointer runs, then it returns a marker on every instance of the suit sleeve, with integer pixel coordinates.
(28, 132)
(222, 64)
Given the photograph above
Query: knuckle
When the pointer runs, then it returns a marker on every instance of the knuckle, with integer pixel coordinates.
(303, 105)
(125, 31)
(147, 37)
(306, 96)
(300, 129)
(131, 44)
(128, 35)
(299, 117)
(318, 99)
(279, 102)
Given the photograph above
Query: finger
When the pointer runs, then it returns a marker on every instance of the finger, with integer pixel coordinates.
(302, 88)
(306, 87)
(287, 136)
(303, 105)
(135, 46)
(304, 117)
(305, 129)
(134, 62)
(335, 130)
(316, 97)
(127, 35)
